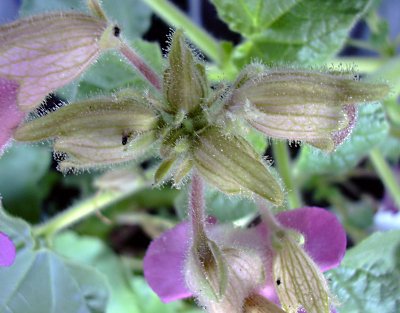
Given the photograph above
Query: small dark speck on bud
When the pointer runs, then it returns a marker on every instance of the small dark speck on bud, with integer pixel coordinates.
(125, 137)
(116, 31)
(278, 281)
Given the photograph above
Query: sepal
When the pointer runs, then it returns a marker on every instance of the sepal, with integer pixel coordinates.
(232, 165)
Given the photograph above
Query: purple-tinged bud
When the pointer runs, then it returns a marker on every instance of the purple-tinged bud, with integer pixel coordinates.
(299, 282)
(44, 53)
(185, 82)
(232, 165)
(10, 115)
(96, 132)
(309, 106)
(258, 304)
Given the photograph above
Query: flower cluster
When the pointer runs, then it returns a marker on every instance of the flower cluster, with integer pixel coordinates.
(232, 269)
(198, 131)
(191, 124)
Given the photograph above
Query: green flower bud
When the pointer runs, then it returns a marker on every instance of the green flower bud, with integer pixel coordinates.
(302, 105)
(302, 285)
(185, 82)
(96, 132)
(233, 166)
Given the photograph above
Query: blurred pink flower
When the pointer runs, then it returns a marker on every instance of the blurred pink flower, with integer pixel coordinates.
(7, 250)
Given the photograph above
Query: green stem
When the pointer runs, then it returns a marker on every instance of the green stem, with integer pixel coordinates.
(386, 174)
(282, 159)
(79, 212)
(173, 16)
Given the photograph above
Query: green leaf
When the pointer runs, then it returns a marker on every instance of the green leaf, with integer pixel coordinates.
(23, 193)
(368, 279)
(371, 128)
(91, 251)
(249, 17)
(307, 31)
(133, 16)
(127, 291)
(224, 208)
(41, 281)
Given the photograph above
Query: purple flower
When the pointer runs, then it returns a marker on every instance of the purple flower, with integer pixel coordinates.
(324, 241)
(7, 250)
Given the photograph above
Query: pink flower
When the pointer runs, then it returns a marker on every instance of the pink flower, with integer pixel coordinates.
(7, 250)
(325, 243)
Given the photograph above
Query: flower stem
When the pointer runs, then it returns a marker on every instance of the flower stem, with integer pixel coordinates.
(386, 174)
(282, 159)
(173, 16)
(141, 66)
(197, 207)
(79, 212)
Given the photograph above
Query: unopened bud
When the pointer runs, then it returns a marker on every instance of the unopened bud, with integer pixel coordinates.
(185, 82)
(233, 166)
(44, 53)
(223, 279)
(302, 105)
(95, 132)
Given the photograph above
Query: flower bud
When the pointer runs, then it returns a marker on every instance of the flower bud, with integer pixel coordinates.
(222, 277)
(97, 131)
(46, 52)
(233, 166)
(299, 282)
(302, 105)
(185, 82)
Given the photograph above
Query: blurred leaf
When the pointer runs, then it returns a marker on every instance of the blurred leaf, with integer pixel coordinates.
(111, 73)
(257, 140)
(22, 167)
(150, 303)
(308, 31)
(31, 7)
(128, 293)
(93, 252)
(390, 148)
(133, 16)
(368, 278)
(371, 128)
(224, 208)
(40, 280)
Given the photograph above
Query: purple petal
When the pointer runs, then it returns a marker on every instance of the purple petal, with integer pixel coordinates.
(164, 263)
(10, 115)
(325, 238)
(7, 250)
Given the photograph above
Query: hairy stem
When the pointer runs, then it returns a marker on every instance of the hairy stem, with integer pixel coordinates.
(386, 174)
(141, 66)
(173, 16)
(282, 159)
(197, 207)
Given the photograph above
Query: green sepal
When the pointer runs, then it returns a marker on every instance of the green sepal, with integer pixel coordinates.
(232, 165)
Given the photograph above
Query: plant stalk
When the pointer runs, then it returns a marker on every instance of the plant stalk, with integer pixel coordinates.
(282, 159)
(386, 174)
